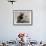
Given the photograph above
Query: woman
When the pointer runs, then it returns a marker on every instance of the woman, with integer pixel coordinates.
(20, 18)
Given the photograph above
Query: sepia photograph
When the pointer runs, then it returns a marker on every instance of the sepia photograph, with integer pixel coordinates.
(22, 17)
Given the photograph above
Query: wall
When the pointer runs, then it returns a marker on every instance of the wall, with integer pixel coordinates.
(9, 31)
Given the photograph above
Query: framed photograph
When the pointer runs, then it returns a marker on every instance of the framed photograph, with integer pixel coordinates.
(22, 17)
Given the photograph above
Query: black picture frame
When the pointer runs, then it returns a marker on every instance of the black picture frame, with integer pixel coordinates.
(15, 12)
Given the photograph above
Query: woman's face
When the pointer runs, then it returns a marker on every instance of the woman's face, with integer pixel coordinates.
(21, 14)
